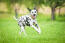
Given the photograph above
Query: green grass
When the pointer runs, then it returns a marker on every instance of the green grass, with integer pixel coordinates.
(52, 31)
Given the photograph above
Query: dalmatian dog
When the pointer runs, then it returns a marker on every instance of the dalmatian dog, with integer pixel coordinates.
(29, 20)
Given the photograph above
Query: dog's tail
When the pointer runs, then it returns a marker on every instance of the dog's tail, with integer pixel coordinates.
(15, 18)
(16, 15)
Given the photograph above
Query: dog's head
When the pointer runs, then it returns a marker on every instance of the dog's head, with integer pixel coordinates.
(33, 13)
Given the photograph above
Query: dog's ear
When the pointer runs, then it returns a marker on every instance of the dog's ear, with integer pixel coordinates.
(35, 8)
(29, 9)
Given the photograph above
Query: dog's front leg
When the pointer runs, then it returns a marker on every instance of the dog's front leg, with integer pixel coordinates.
(35, 29)
(38, 27)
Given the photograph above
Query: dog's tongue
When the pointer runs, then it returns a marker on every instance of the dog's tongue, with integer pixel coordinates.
(33, 16)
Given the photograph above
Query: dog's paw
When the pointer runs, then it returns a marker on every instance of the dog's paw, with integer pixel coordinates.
(39, 32)
(20, 33)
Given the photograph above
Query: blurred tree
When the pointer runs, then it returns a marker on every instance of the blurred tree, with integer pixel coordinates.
(9, 2)
(53, 4)
(37, 3)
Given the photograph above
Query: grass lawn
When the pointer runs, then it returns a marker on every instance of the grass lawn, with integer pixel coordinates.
(52, 31)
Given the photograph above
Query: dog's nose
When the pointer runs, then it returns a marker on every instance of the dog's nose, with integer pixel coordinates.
(34, 15)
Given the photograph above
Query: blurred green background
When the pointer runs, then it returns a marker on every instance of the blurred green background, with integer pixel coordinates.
(51, 19)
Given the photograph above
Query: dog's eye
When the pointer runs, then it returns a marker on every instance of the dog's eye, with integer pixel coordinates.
(32, 12)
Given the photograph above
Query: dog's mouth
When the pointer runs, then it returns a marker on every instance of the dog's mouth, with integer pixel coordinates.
(34, 16)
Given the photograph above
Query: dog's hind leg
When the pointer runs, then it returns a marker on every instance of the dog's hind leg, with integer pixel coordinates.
(22, 30)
